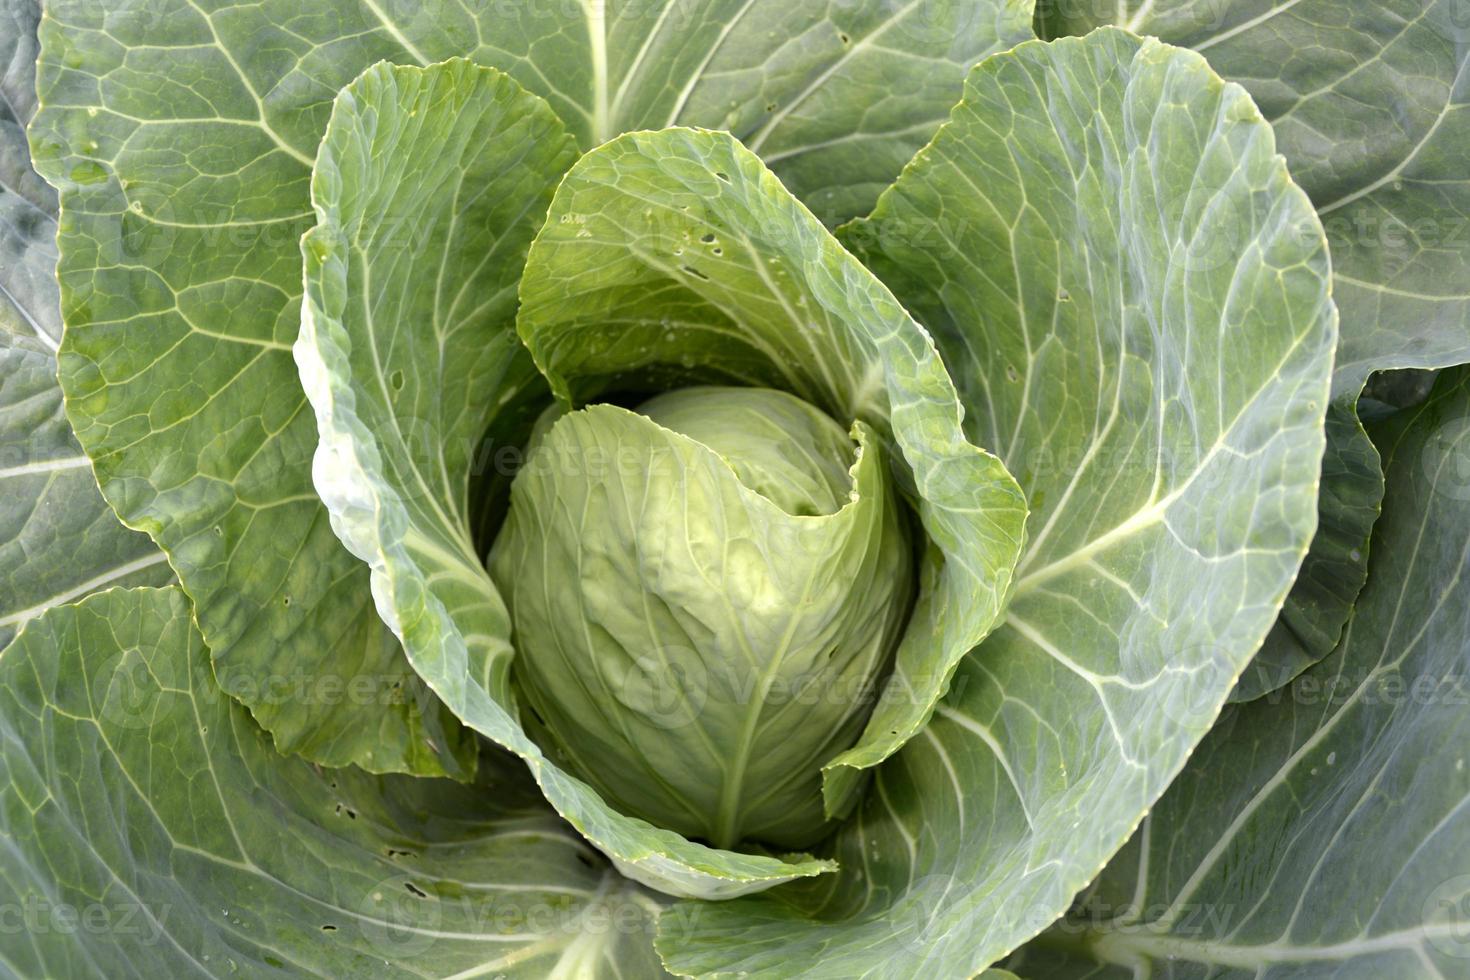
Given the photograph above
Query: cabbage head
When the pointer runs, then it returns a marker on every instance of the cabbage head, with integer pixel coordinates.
(732, 488)
(705, 595)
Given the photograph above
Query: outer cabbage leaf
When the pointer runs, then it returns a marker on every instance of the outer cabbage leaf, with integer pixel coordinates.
(676, 256)
(152, 830)
(1336, 566)
(181, 137)
(28, 298)
(1158, 386)
(1371, 108)
(1328, 834)
(836, 96)
(429, 186)
(58, 539)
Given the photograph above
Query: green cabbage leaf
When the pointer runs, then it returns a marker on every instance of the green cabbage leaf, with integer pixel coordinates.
(444, 445)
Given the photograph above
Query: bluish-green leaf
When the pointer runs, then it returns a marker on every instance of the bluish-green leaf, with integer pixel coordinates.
(28, 300)
(58, 538)
(1325, 829)
(151, 830)
(1336, 566)
(1371, 108)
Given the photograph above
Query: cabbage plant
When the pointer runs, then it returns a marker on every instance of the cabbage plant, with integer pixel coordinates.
(734, 489)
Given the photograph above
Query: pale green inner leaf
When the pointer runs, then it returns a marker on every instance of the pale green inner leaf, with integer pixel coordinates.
(675, 257)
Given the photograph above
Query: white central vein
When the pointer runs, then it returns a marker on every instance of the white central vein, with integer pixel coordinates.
(44, 466)
(395, 33)
(596, 13)
(91, 585)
